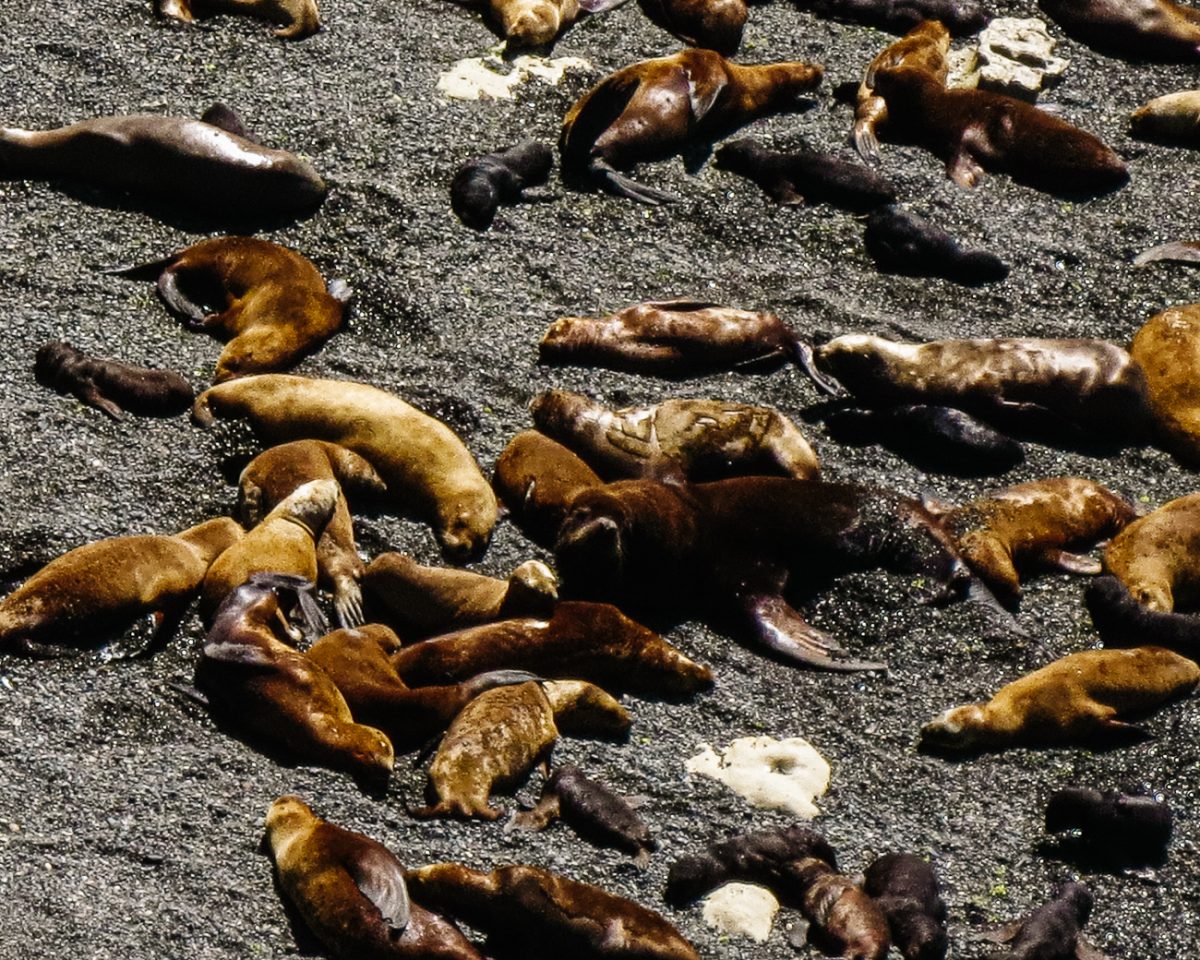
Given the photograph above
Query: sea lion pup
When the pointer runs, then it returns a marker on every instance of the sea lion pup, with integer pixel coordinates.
(1115, 828)
(534, 912)
(421, 602)
(587, 641)
(426, 467)
(351, 891)
(1071, 700)
(1155, 556)
(1052, 931)
(907, 891)
(977, 130)
(1033, 525)
(267, 691)
(654, 109)
(268, 302)
(1135, 29)
(111, 386)
(482, 184)
(899, 241)
(698, 438)
(299, 18)
(1171, 119)
(1122, 621)
(963, 17)
(711, 24)
(83, 597)
(188, 162)
(806, 176)
(1167, 348)
(535, 478)
(284, 542)
(845, 920)
(276, 473)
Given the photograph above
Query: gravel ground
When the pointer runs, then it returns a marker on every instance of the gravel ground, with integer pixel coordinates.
(130, 827)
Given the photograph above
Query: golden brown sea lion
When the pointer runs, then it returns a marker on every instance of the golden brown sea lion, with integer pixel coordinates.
(711, 24)
(1034, 524)
(1174, 118)
(844, 920)
(1156, 556)
(1167, 348)
(536, 477)
(531, 23)
(299, 18)
(110, 385)
(654, 109)
(426, 467)
(1138, 29)
(101, 588)
(1070, 700)
(540, 913)
(351, 891)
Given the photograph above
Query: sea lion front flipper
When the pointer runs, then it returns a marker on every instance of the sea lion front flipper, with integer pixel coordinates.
(380, 877)
(802, 355)
(784, 632)
(548, 810)
(703, 91)
(1004, 934)
(599, 6)
(244, 654)
(178, 302)
(90, 394)
(1071, 562)
(347, 603)
(964, 169)
(619, 185)
(1178, 251)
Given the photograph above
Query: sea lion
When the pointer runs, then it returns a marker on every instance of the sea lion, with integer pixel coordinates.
(351, 891)
(482, 184)
(101, 588)
(1034, 524)
(299, 18)
(1167, 348)
(425, 465)
(284, 542)
(1122, 621)
(963, 17)
(1172, 119)
(535, 478)
(654, 109)
(423, 601)
(711, 24)
(1071, 700)
(267, 691)
(1155, 556)
(899, 241)
(188, 162)
(586, 641)
(1114, 828)
(1137, 29)
(698, 438)
(806, 176)
(844, 920)
(907, 891)
(531, 23)
(269, 302)
(111, 386)
(535, 912)
(977, 130)
(1052, 931)
(276, 473)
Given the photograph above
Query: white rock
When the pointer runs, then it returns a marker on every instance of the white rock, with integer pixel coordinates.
(743, 909)
(1017, 57)
(483, 77)
(769, 773)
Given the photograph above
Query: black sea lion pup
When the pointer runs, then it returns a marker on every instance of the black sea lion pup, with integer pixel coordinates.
(1122, 621)
(1115, 828)
(1053, 931)
(1139, 29)
(109, 385)
(962, 17)
(536, 478)
(299, 18)
(482, 184)
(351, 892)
(655, 109)
(845, 921)
(899, 241)
(907, 891)
(712, 24)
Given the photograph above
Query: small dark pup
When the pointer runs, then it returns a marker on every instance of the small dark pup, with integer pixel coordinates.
(109, 385)
(902, 242)
(482, 184)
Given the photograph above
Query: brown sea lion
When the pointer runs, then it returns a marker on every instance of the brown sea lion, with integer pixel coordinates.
(109, 385)
(531, 22)
(695, 437)
(1155, 556)
(276, 473)
(536, 912)
(963, 17)
(1033, 525)
(1053, 931)
(189, 162)
(844, 920)
(1111, 828)
(299, 18)
(421, 601)
(535, 478)
(267, 691)
(1072, 699)
(426, 467)
(351, 891)
(1167, 348)
(711, 24)
(907, 891)
(1137, 29)
(1174, 118)
(977, 130)
(586, 641)
(101, 588)
(655, 109)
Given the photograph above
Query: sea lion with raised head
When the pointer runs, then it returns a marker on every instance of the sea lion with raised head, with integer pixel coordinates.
(111, 386)
(844, 920)
(536, 478)
(711, 24)
(901, 242)
(427, 468)
(806, 176)
(1053, 931)
(655, 109)
(962, 17)
(1167, 348)
(481, 185)
(906, 889)
(1137, 29)
(1172, 119)
(1113, 828)
(297, 18)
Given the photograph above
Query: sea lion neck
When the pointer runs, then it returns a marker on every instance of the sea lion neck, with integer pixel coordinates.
(764, 89)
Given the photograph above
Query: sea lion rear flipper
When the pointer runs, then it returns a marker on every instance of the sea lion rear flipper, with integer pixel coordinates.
(1085, 950)
(784, 632)
(483, 682)
(964, 169)
(619, 185)
(222, 117)
(380, 877)
(1123, 732)
(1178, 251)
(244, 654)
(1071, 562)
(599, 6)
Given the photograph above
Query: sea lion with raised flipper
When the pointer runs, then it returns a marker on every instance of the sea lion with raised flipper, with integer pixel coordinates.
(1111, 828)
(962, 17)
(1167, 348)
(1053, 931)
(806, 176)
(297, 18)
(843, 919)
(101, 588)
(536, 478)
(711, 24)
(655, 109)
(427, 468)
(530, 911)
(1158, 30)
(907, 891)
(481, 185)
(1170, 119)
(698, 438)
(111, 386)
(901, 242)
(351, 891)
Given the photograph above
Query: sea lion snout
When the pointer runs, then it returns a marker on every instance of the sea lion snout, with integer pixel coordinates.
(953, 729)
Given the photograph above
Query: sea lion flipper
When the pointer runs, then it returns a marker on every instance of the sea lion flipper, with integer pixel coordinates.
(964, 169)
(177, 301)
(1004, 934)
(615, 183)
(380, 877)
(1085, 950)
(90, 394)
(1072, 562)
(599, 6)
(783, 631)
(802, 354)
(1178, 251)
(245, 654)
(548, 810)
(347, 603)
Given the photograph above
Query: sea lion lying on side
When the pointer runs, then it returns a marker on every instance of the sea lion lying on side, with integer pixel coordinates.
(109, 385)
(299, 18)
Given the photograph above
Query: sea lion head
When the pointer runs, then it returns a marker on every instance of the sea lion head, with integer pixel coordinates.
(1079, 897)
(923, 936)
(286, 818)
(959, 728)
(465, 524)
(591, 543)
(531, 23)
(533, 587)
(372, 756)
(855, 361)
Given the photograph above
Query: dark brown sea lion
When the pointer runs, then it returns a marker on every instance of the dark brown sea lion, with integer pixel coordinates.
(1071, 700)
(427, 468)
(101, 588)
(1155, 556)
(1167, 348)
(711, 24)
(536, 478)
(351, 891)
(907, 891)
(536, 912)
(482, 184)
(845, 920)
(299, 18)
(658, 108)
(1138, 29)
(189, 162)
(1053, 931)
(1173, 119)
(1115, 829)
(899, 241)
(698, 438)
(977, 130)
(963, 17)
(109, 385)
(806, 176)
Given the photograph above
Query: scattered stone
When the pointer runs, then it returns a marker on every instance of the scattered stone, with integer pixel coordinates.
(1017, 57)
(744, 909)
(771, 774)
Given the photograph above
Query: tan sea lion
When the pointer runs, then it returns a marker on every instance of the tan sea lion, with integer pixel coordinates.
(531, 23)
(699, 438)
(299, 18)
(1167, 348)
(351, 891)
(1071, 700)
(110, 385)
(100, 588)
(1155, 557)
(1136, 29)
(276, 473)
(537, 912)
(1173, 118)
(426, 467)
(535, 478)
(655, 109)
